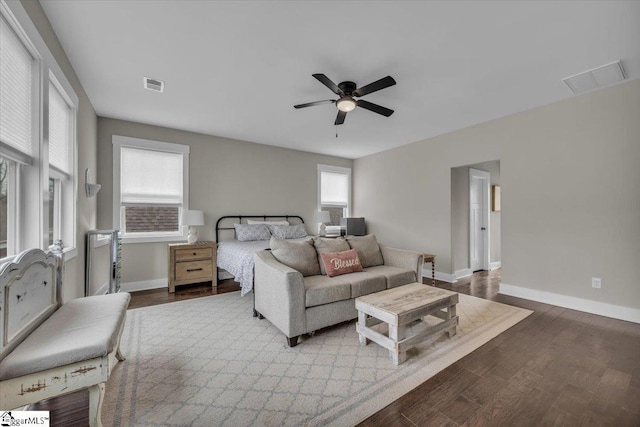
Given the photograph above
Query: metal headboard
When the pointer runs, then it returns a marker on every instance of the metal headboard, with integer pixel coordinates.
(257, 217)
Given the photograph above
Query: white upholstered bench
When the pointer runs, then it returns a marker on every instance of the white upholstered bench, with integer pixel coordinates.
(48, 348)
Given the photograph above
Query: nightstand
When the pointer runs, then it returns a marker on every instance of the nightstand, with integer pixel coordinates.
(191, 263)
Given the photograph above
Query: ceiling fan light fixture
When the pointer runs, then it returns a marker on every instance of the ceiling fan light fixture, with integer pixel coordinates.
(346, 104)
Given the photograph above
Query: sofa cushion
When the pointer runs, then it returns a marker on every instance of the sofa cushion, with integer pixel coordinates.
(300, 256)
(323, 245)
(324, 290)
(367, 248)
(395, 276)
(365, 283)
(338, 263)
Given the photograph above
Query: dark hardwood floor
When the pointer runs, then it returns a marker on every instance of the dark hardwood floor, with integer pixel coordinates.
(558, 367)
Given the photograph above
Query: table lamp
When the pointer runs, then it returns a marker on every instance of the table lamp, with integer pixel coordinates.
(323, 217)
(192, 219)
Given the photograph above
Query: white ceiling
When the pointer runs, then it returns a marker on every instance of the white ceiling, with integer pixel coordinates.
(235, 69)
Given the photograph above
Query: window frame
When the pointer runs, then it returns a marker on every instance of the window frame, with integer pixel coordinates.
(340, 170)
(120, 141)
(31, 182)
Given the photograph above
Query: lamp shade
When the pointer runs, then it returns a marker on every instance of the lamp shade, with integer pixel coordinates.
(193, 218)
(323, 216)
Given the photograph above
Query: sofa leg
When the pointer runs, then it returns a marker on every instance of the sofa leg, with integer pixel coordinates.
(293, 341)
(255, 313)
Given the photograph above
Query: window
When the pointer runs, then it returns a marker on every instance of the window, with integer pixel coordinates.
(334, 192)
(7, 235)
(150, 189)
(38, 109)
(60, 161)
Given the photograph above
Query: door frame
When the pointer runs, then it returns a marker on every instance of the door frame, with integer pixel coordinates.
(485, 178)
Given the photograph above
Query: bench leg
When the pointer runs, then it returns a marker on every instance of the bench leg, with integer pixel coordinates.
(119, 355)
(96, 396)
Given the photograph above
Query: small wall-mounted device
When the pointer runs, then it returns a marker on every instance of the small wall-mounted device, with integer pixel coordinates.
(90, 188)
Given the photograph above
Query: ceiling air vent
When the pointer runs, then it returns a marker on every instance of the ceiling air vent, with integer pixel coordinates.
(596, 78)
(153, 84)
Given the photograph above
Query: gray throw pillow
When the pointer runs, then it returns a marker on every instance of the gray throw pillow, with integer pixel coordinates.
(288, 231)
(246, 233)
(367, 249)
(324, 245)
(300, 256)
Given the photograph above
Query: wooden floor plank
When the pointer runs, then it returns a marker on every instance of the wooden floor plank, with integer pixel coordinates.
(562, 359)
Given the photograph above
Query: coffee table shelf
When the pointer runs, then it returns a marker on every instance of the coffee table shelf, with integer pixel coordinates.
(400, 306)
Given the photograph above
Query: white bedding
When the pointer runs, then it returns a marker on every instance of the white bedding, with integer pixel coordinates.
(237, 258)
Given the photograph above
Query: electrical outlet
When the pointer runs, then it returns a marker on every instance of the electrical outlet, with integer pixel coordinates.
(596, 282)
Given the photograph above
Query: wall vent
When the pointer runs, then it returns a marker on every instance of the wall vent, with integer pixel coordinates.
(153, 84)
(595, 78)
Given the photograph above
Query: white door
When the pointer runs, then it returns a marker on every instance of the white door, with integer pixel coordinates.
(478, 220)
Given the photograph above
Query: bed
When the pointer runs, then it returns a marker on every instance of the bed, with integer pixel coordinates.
(235, 256)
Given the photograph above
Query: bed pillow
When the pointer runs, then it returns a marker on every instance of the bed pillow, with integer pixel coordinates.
(246, 232)
(300, 256)
(367, 248)
(254, 222)
(288, 231)
(324, 245)
(337, 263)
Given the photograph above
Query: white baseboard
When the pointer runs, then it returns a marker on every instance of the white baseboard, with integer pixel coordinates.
(495, 265)
(465, 272)
(595, 307)
(450, 278)
(224, 274)
(143, 285)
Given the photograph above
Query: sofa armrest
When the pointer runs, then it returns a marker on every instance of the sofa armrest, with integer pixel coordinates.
(279, 294)
(403, 259)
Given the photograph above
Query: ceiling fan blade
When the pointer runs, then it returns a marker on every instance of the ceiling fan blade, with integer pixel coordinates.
(328, 83)
(374, 107)
(340, 118)
(375, 86)
(311, 104)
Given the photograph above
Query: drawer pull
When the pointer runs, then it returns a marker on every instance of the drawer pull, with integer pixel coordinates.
(194, 269)
(194, 253)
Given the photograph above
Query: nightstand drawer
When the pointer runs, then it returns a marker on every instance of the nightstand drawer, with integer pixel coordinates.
(194, 270)
(193, 254)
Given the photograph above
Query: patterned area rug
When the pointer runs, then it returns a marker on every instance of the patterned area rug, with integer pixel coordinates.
(207, 362)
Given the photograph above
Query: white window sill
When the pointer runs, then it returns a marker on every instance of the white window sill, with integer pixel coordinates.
(69, 253)
(149, 239)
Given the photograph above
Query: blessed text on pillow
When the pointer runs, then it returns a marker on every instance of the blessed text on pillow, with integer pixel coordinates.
(337, 263)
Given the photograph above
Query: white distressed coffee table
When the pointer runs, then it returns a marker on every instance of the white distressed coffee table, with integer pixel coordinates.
(400, 306)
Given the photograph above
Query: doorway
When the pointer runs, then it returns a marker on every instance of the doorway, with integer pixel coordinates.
(479, 183)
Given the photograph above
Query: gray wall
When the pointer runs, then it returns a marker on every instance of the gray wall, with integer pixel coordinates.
(570, 198)
(460, 215)
(73, 279)
(227, 177)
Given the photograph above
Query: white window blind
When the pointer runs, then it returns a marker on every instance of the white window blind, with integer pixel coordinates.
(334, 188)
(59, 131)
(150, 177)
(15, 91)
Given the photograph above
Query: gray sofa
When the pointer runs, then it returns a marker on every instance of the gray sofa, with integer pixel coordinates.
(302, 300)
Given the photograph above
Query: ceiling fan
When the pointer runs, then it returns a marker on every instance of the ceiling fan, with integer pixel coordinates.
(347, 91)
